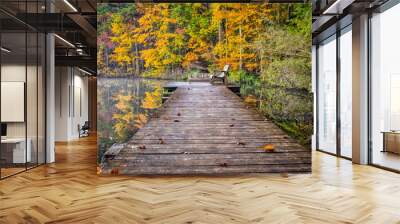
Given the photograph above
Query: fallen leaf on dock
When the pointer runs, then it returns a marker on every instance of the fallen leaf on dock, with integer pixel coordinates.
(251, 100)
(160, 141)
(223, 164)
(142, 147)
(268, 147)
(179, 114)
(231, 125)
(240, 143)
(176, 120)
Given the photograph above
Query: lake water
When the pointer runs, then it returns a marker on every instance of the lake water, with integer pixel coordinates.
(124, 105)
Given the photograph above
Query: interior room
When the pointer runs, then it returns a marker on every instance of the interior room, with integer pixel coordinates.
(385, 89)
(48, 83)
(22, 98)
(365, 69)
(72, 106)
(51, 52)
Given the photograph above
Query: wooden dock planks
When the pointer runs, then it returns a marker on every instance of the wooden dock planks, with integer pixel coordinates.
(206, 129)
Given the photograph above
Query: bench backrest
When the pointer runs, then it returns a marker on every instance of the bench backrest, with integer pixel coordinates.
(226, 68)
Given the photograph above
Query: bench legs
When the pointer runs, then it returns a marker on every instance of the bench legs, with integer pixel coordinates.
(213, 79)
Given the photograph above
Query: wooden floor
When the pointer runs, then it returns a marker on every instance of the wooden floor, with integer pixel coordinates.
(207, 129)
(69, 191)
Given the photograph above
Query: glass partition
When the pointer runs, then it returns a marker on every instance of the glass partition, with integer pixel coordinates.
(346, 92)
(385, 89)
(327, 95)
(14, 153)
(22, 88)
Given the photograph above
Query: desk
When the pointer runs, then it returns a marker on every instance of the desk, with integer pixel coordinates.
(16, 147)
(391, 141)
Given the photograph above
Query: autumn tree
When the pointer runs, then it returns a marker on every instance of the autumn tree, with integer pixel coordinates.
(163, 42)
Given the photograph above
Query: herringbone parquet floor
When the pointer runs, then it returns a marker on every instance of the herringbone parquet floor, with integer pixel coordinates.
(69, 191)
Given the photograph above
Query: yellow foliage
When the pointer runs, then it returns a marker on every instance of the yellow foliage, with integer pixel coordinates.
(152, 100)
(122, 38)
(242, 26)
(221, 33)
(124, 117)
(140, 120)
(123, 101)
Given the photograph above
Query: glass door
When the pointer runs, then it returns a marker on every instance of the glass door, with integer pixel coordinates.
(327, 95)
(346, 92)
(385, 89)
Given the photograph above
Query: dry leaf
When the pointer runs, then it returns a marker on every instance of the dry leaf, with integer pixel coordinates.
(268, 147)
(231, 125)
(161, 141)
(176, 120)
(240, 143)
(251, 100)
(142, 147)
(223, 164)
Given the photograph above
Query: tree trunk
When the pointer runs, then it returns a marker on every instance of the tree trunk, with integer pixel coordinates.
(137, 65)
(240, 48)
(220, 32)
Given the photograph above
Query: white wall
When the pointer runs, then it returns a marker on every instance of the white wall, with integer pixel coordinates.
(71, 102)
(62, 82)
(33, 126)
(13, 73)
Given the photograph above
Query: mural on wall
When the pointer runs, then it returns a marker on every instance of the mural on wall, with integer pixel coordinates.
(141, 47)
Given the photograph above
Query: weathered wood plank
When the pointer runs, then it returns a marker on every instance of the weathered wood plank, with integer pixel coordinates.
(134, 160)
(212, 170)
(207, 148)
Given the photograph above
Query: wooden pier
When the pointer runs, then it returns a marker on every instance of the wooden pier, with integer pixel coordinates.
(206, 129)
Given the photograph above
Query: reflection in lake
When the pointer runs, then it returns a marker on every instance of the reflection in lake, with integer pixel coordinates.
(124, 105)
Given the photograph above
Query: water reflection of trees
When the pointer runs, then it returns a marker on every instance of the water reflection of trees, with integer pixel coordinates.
(124, 106)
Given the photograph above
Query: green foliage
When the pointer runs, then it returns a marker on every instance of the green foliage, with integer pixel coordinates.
(300, 20)
(236, 76)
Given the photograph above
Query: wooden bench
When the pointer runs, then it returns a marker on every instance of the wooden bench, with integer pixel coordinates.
(221, 75)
